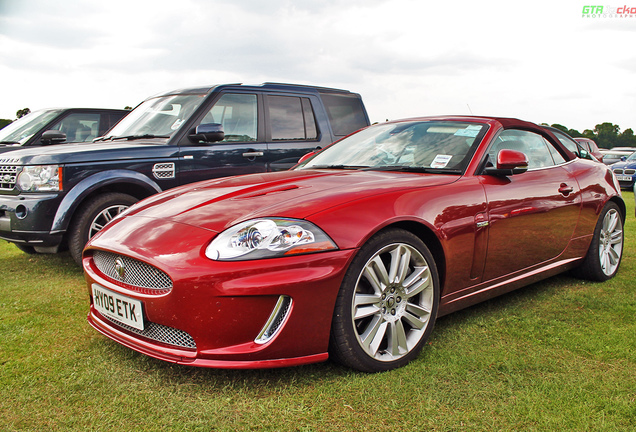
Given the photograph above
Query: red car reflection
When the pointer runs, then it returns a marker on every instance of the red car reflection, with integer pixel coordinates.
(355, 252)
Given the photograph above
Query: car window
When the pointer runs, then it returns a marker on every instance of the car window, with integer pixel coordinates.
(539, 151)
(291, 118)
(79, 127)
(21, 130)
(345, 112)
(569, 143)
(444, 146)
(161, 116)
(238, 113)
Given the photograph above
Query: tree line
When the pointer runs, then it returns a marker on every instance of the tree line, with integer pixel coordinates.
(606, 135)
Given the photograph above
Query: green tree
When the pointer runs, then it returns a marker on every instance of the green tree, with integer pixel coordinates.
(560, 127)
(606, 135)
(4, 122)
(627, 138)
(21, 113)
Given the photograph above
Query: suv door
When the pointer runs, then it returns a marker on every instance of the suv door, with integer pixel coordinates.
(242, 151)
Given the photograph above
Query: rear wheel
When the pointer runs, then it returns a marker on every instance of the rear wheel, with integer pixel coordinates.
(91, 218)
(606, 250)
(387, 304)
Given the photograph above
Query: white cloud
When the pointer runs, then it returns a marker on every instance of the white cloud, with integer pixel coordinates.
(540, 61)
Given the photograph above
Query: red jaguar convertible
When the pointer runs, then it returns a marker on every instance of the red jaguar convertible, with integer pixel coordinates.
(355, 252)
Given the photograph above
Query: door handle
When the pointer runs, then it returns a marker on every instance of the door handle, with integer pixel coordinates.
(565, 189)
(253, 154)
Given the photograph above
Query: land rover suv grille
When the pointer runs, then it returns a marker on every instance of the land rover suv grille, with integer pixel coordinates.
(160, 333)
(132, 273)
(8, 176)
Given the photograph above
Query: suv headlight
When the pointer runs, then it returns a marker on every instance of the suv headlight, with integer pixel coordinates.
(40, 178)
(268, 238)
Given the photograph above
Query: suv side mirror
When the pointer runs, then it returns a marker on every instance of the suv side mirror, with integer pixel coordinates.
(207, 132)
(53, 137)
(509, 162)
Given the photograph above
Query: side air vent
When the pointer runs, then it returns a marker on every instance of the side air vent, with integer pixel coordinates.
(276, 320)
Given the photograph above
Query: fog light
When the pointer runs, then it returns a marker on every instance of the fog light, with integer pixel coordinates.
(21, 211)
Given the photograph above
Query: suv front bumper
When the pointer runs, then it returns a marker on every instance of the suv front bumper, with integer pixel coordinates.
(27, 219)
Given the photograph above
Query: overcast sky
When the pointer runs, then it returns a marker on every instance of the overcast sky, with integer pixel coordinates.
(537, 60)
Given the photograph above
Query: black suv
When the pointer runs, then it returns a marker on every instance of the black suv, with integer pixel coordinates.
(57, 196)
(58, 125)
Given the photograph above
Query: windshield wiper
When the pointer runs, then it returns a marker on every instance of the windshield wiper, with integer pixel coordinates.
(9, 142)
(135, 137)
(344, 167)
(414, 169)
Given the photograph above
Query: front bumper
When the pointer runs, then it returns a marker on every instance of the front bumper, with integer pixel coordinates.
(224, 306)
(626, 185)
(27, 219)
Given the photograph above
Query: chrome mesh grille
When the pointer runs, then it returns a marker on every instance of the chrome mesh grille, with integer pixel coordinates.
(132, 272)
(160, 333)
(618, 171)
(8, 175)
(630, 171)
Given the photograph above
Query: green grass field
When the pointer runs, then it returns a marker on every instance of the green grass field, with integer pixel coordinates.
(557, 355)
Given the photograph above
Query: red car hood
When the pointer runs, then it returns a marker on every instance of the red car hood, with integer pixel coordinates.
(218, 204)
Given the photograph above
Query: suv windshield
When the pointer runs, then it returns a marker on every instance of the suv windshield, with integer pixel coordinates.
(160, 117)
(407, 146)
(22, 129)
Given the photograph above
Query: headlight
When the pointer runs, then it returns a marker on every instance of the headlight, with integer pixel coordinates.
(43, 178)
(268, 238)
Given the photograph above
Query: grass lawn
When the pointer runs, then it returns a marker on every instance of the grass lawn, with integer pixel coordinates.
(557, 355)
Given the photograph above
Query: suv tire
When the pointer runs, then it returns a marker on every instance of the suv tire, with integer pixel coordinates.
(92, 216)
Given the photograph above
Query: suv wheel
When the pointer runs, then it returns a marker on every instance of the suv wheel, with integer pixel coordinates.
(91, 218)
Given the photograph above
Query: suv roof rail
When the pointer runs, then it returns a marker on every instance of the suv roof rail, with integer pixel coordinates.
(320, 89)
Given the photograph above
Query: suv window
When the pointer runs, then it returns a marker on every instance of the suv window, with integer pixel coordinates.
(346, 113)
(540, 152)
(291, 118)
(79, 127)
(238, 114)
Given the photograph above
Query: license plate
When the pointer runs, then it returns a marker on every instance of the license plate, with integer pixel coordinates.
(118, 307)
(623, 178)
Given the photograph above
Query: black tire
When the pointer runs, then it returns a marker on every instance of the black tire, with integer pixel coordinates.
(604, 256)
(25, 248)
(92, 216)
(401, 303)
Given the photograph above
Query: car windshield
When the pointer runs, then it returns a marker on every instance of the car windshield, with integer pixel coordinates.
(157, 117)
(444, 146)
(22, 129)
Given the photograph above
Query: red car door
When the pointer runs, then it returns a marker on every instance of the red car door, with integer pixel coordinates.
(531, 216)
